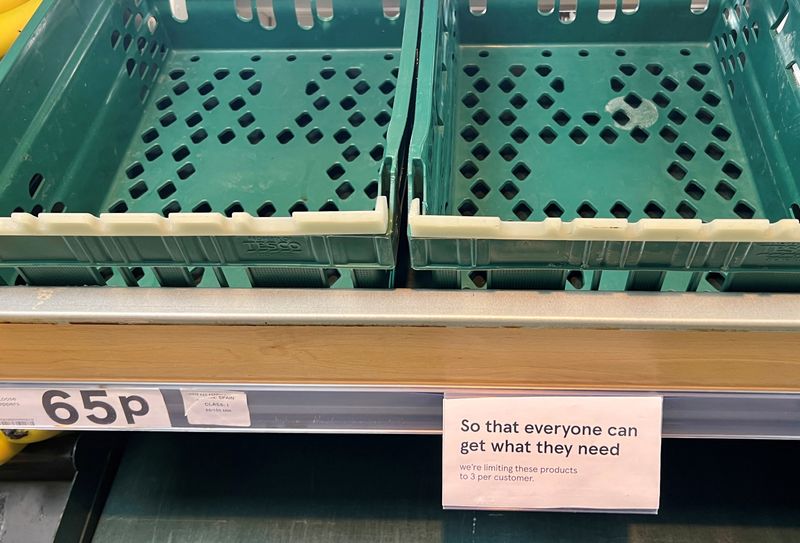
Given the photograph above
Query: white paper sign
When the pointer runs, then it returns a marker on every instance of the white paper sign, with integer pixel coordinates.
(82, 408)
(570, 453)
(216, 408)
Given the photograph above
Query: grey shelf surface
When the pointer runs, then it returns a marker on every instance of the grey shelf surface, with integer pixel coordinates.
(352, 409)
(402, 307)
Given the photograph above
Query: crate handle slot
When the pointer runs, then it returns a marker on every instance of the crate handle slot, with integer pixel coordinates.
(546, 7)
(263, 10)
(699, 6)
(629, 7)
(567, 11)
(607, 11)
(266, 14)
(302, 9)
(325, 10)
(179, 11)
(477, 7)
(244, 10)
(391, 9)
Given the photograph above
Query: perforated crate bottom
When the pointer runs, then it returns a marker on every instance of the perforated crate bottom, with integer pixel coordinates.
(631, 131)
(267, 132)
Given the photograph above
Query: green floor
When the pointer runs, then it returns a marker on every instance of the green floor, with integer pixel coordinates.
(626, 131)
(267, 132)
(210, 488)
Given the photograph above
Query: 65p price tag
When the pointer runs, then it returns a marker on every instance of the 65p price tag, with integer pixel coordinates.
(82, 408)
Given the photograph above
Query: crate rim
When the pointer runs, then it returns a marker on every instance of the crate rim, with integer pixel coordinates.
(301, 223)
(555, 229)
(377, 221)
(424, 226)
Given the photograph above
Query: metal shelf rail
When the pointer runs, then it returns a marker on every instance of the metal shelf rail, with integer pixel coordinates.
(359, 361)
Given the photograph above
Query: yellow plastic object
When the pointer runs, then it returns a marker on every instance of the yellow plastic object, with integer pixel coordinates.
(8, 450)
(26, 437)
(14, 15)
(8, 5)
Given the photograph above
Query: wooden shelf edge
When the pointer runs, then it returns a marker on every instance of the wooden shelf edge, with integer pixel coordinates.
(403, 357)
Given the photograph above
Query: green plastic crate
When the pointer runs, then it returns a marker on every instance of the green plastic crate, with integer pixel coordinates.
(206, 133)
(639, 137)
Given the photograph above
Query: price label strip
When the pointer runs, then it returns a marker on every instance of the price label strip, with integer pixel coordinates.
(567, 453)
(81, 409)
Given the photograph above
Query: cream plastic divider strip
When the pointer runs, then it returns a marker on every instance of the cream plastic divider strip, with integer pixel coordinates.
(305, 223)
(554, 229)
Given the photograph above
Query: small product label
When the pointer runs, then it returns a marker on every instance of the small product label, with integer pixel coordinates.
(552, 453)
(216, 408)
(82, 409)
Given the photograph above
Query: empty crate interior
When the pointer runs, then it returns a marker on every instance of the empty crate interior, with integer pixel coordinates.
(200, 105)
(650, 109)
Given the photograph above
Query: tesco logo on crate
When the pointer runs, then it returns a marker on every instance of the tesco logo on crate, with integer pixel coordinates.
(272, 245)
